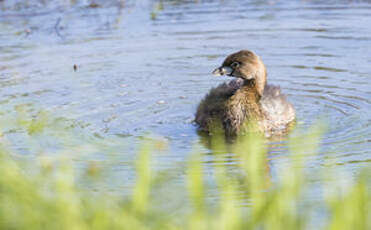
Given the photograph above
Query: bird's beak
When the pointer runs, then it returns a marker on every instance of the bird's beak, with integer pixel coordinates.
(223, 70)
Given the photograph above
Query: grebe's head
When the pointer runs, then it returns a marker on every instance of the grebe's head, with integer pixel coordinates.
(244, 64)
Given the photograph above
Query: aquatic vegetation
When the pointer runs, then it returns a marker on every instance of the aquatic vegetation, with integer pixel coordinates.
(52, 192)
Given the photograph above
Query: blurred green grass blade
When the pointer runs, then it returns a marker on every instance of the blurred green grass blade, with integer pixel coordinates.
(142, 187)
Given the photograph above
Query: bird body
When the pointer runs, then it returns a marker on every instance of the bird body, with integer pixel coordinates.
(246, 101)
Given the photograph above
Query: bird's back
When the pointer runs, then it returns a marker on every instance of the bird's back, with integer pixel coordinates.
(277, 111)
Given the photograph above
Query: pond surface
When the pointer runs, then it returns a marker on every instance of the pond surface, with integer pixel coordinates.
(143, 67)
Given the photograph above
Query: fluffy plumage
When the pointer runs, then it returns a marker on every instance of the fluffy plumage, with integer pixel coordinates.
(246, 101)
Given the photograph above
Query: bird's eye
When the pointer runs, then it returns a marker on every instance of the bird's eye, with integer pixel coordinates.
(235, 64)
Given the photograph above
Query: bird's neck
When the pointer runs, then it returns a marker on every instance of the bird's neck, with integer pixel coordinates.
(253, 89)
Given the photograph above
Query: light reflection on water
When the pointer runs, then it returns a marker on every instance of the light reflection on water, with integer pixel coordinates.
(137, 75)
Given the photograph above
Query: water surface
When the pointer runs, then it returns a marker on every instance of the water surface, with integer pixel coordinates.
(143, 67)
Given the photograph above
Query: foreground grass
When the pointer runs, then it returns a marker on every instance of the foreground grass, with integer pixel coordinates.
(55, 194)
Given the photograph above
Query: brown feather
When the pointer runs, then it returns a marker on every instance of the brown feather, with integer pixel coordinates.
(245, 102)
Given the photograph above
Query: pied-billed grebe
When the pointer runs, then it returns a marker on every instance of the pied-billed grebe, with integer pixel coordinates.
(246, 100)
